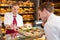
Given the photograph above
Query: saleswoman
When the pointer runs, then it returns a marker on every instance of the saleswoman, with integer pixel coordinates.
(12, 21)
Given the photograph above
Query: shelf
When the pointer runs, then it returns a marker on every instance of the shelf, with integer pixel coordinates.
(57, 7)
(28, 20)
(26, 7)
(27, 14)
(5, 6)
(1, 14)
(10, 7)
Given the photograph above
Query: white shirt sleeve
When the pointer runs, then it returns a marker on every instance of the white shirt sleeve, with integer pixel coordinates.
(52, 28)
(6, 19)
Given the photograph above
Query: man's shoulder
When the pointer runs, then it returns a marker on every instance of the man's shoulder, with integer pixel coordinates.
(19, 16)
(8, 13)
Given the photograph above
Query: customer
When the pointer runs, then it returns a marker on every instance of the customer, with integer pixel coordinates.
(13, 21)
(50, 21)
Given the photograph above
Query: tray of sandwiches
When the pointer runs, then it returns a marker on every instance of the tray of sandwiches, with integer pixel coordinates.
(31, 32)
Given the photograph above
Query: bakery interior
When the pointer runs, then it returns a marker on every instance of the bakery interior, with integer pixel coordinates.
(28, 10)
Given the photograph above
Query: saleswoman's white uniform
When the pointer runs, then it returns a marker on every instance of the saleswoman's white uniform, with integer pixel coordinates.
(8, 19)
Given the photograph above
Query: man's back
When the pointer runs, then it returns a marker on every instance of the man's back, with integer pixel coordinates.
(52, 28)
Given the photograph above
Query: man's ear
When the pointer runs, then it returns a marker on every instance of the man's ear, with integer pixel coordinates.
(45, 10)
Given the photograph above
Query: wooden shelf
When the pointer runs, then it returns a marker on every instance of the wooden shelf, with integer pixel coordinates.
(28, 20)
(5, 6)
(27, 14)
(1, 14)
(26, 7)
(57, 7)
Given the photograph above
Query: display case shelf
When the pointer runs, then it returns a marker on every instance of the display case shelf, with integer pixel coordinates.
(28, 20)
(57, 7)
(1, 14)
(5, 6)
(27, 14)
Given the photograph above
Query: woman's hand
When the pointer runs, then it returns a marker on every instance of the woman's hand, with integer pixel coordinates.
(9, 26)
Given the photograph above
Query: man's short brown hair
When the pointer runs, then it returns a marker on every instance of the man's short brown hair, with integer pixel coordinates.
(49, 6)
(14, 4)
